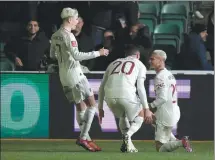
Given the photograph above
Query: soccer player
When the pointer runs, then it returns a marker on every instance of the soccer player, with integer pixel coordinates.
(119, 90)
(167, 112)
(76, 87)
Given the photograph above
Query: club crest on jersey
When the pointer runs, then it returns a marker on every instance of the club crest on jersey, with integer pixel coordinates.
(74, 43)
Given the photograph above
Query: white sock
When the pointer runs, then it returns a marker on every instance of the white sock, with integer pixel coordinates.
(88, 119)
(124, 124)
(172, 137)
(135, 125)
(80, 119)
(170, 146)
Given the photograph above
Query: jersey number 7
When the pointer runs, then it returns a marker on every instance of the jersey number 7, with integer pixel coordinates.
(173, 91)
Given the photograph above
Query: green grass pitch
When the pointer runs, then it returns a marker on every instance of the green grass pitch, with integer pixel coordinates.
(16, 149)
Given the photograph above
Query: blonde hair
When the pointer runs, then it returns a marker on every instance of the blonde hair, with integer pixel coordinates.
(69, 12)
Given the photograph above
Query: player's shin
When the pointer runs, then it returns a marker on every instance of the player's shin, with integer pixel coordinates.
(80, 120)
(170, 146)
(135, 125)
(88, 118)
(124, 124)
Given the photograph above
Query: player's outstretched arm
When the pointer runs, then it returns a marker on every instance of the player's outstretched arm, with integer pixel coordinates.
(80, 56)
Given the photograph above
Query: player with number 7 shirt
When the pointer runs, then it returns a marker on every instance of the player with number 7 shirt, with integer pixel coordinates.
(165, 106)
(119, 91)
(64, 49)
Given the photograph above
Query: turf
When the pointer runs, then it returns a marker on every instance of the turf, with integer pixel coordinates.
(67, 150)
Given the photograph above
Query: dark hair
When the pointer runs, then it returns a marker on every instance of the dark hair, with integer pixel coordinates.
(131, 49)
(108, 30)
(32, 19)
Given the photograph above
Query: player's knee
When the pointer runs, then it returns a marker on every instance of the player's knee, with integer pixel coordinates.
(90, 101)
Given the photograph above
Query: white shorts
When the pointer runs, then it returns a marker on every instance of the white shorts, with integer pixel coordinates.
(162, 133)
(124, 107)
(79, 93)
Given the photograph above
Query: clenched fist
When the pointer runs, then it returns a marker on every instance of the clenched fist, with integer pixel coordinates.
(104, 52)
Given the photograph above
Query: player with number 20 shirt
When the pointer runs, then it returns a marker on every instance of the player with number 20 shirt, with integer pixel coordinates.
(119, 90)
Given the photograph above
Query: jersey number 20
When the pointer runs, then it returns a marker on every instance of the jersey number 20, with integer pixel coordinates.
(117, 69)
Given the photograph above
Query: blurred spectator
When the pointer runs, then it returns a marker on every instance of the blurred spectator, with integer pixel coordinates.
(106, 14)
(193, 56)
(27, 50)
(131, 12)
(140, 36)
(115, 50)
(210, 38)
(5, 63)
(83, 34)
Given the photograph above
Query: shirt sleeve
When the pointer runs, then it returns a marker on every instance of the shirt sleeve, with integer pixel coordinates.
(79, 56)
(161, 92)
(53, 54)
(141, 87)
(142, 92)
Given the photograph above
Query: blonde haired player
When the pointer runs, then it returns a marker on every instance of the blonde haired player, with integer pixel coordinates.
(119, 90)
(167, 112)
(64, 48)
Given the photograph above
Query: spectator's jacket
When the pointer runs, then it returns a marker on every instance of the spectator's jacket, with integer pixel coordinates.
(31, 52)
(197, 48)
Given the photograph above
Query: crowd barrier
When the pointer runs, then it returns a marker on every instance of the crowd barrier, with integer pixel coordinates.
(33, 106)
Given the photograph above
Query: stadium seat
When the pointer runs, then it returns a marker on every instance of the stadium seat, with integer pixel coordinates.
(187, 4)
(157, 4)
(6, 65)
(167, 34)
(148, 15)
(175, 14)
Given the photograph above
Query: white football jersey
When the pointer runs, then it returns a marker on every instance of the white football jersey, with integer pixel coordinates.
(120, 79)
(168, 112)
(64, 48)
